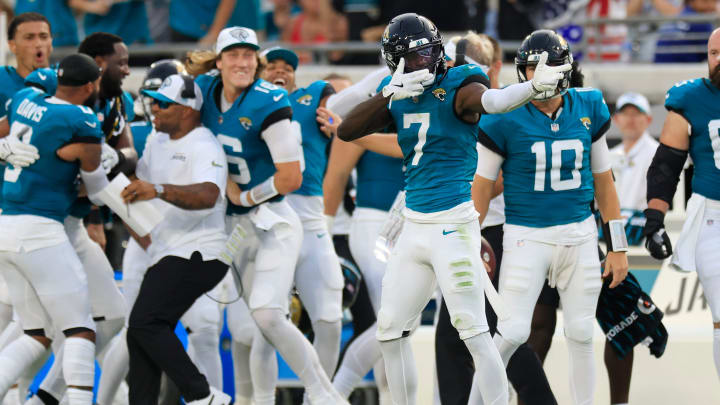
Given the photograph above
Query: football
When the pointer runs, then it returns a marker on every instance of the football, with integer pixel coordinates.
(488, 256)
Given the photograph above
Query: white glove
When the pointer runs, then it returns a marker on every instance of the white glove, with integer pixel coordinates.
(16, 152)
(405, 85)
(109, 158)
(546, 77)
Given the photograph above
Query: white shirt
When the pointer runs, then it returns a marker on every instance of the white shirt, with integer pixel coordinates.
(195, 158)
(630, 171)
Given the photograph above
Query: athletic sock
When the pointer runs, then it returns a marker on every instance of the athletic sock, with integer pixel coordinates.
(490, 380)
(582, 371)
(79, 369)
(17, 356)
(362, 354)
(401, 371)
(716, 349)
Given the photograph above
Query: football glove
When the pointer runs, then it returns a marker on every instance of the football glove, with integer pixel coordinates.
(109, 158)
(405, 85)
(546, 77)
(16, 152)
(657, 241)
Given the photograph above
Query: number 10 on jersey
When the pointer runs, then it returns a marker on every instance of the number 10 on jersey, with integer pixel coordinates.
(557, 148)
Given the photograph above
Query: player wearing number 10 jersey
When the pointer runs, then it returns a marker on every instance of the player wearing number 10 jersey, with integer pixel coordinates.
(554, 160)
(435, 111)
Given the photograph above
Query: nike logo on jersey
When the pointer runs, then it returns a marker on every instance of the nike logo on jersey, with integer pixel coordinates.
(320, 235)
(216, 164)
(448, 232)
(278, 97)
(91, 124)
(42, 76)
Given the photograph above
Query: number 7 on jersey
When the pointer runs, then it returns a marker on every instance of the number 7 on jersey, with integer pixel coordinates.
(424, 120)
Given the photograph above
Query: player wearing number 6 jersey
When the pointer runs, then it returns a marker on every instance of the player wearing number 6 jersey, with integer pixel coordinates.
(692, 103)
(251, 118)
(436, 111)
(551, 151)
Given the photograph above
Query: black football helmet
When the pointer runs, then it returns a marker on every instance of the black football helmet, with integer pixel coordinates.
(154, 77)
(558, 54)
(415, 38)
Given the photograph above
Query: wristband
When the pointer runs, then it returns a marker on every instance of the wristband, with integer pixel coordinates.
(244, 200)
(614, 232)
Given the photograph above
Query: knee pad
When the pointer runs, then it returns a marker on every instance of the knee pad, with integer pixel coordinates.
(268, 320)
(579, 330)
(514, 331)
(390, 329)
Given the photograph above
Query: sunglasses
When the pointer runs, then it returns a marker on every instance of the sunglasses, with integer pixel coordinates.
(162, 104)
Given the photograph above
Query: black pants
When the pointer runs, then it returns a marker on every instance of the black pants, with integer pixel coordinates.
(168, 290)
(455, 367)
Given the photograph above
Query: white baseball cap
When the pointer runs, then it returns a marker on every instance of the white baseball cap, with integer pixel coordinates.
(634, 99)
(179, 89)
(236, 36)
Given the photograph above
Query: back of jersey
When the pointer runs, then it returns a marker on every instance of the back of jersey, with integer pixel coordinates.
(47, 188)
(438, 147)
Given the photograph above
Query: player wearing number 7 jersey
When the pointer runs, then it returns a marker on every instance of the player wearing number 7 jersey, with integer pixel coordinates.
(692, 103)
(436, 111)
(554, 160)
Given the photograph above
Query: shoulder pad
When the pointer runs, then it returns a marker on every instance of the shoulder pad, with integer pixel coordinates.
(676, 95)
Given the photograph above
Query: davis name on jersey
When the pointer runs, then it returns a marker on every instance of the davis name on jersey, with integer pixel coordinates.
(698, 100)
(438, 148)
(47, 187)
(546, 172)
(304, 103)
(238, 129)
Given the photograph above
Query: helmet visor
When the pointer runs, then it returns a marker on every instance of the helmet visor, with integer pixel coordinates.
(424, 58)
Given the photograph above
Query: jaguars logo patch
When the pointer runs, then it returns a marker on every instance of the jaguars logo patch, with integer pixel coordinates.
(240, 34)
(586, 122)
(246, 123)
(439, 93)
(305, 100)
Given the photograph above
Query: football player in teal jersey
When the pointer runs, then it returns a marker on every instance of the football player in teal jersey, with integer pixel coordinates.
(318, 277)
(694, 104)
(252, 119)
(554, 161)
(37, 200)
(436, 111)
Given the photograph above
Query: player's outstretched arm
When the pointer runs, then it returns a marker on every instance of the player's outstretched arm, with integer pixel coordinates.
(662, 180)
(384, 144)
(366, 118)
(476, 98)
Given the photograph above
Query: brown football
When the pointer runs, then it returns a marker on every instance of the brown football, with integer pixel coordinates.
(488, 256)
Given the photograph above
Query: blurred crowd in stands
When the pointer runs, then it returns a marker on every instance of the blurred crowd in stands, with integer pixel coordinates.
(324, 21)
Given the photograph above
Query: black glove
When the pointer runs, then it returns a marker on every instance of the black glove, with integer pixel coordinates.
(657, 241)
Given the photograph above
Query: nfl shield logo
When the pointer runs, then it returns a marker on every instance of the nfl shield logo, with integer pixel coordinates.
(554, 127)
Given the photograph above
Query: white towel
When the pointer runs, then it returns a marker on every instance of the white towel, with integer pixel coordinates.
(265, 218)
(563, 266)
(683, 258)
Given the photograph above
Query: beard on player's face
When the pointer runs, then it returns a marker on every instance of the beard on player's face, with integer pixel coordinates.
(91, 100)
(714, 76)
(110, 85)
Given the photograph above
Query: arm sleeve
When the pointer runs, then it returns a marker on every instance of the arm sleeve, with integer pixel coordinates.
(282, 142)
(600, 160)
(210, 165)
(341, 103)
(489, 162)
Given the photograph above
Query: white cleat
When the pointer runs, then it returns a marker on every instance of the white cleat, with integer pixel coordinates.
(216, 397)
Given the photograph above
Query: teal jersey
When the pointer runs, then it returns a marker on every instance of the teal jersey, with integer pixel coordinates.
(546, 173)
(379, 179)
(140, 131)
(60, 16)
(304, 103)
(698, 101)
(46, 188)
(438, 147)
(127, 19)
(113, 115)
(239, 129)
